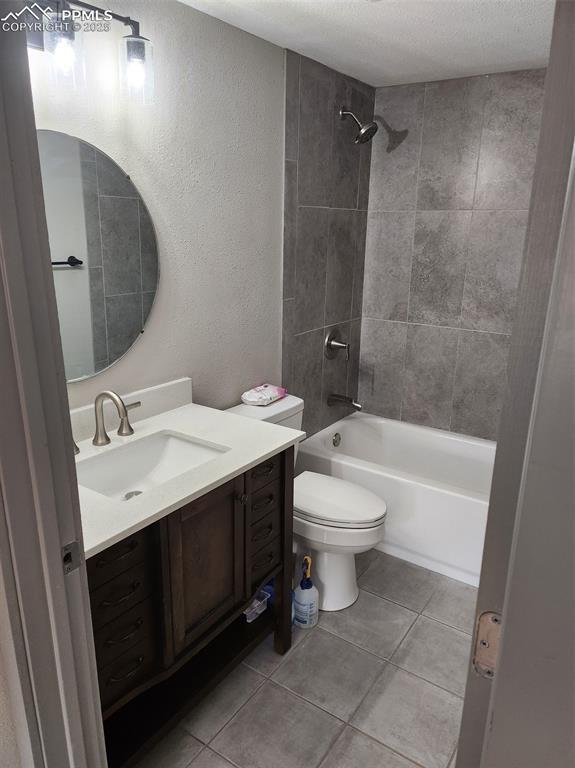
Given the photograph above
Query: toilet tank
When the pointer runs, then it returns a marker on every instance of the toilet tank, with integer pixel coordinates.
(288, 412)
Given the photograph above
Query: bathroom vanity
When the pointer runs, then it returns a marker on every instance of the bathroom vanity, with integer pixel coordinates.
(167, 596)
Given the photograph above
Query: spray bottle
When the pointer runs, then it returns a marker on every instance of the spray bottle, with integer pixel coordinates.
(306, 599)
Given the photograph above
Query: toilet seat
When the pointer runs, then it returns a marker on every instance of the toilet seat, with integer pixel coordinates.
(329, 501)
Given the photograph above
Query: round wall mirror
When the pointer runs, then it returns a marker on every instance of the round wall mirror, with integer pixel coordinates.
(103, 251)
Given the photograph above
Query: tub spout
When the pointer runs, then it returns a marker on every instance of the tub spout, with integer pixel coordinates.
(343, 400)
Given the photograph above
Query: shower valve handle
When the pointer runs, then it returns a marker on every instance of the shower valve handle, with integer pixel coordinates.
(333, 344)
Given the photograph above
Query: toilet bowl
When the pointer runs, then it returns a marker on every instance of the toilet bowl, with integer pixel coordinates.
(334, 520)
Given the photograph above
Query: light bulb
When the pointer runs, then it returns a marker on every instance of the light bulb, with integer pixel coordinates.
(64, 56)
(136, 74)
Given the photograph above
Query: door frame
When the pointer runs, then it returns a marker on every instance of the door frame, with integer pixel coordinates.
(47, 642)
(535, 302)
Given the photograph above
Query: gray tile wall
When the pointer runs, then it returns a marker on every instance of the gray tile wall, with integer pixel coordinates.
(445, 230)
(325, 218)
(122, 256)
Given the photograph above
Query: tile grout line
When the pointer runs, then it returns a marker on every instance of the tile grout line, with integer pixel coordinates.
(431, 325)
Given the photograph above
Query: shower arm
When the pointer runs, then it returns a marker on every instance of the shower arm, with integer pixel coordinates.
(343, 113)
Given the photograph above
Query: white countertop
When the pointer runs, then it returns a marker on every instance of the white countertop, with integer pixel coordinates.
(106, 521)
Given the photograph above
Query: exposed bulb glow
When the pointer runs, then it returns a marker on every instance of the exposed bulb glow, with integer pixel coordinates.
(64, 56)
(136, 74)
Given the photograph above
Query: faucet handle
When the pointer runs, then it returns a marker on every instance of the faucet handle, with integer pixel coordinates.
(135, 404)
(333, 343)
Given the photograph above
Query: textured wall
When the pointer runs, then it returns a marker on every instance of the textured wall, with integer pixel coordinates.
(325, 212)
(447, 218)
(207, 157)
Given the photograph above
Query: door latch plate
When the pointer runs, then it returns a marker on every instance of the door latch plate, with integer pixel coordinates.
(71, 557)
(487, 644)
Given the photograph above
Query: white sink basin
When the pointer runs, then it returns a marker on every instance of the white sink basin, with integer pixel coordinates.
(134, 468)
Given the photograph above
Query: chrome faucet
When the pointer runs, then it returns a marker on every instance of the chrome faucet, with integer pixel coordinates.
(343, 400)
(101, 437)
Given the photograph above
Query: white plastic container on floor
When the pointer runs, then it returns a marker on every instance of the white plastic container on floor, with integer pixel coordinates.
(306, 599)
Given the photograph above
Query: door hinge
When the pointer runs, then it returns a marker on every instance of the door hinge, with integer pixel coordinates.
(71, 557)
(487, 637)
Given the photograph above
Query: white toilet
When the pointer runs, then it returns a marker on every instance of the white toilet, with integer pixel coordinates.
(333, 519)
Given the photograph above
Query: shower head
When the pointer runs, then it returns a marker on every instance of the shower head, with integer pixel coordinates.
(366, 130)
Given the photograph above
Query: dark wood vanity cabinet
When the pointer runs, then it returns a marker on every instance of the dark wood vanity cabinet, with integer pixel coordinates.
(172, 596)
(206, 562)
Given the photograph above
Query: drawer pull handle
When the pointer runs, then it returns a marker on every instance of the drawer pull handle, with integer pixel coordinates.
(264, 534)
(132, 591)
(263, 504)
(104, 561)
(263, 471)
(130, 673)
(263, 561)
(128, 636)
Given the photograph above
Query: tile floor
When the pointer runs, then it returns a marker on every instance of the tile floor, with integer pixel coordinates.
(379, 685)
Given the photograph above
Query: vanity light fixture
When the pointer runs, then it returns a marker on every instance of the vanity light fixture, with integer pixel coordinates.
(136, 52)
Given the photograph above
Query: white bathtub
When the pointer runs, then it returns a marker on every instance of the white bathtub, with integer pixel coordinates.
(435, 483)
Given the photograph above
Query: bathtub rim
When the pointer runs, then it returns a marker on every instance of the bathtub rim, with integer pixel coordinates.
(313, 445)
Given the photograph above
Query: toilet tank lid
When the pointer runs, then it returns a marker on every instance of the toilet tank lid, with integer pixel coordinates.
(336, 502)
(274, 413)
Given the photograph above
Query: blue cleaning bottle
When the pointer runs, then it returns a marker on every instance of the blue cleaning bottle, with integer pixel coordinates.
(306, 599)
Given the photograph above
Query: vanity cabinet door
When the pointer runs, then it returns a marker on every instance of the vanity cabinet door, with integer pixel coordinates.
(207, 561)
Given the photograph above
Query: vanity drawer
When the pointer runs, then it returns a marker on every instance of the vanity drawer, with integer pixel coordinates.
(120, 595)
(118, 558)
(265, 530)
(128, 671)
(265, 472)
(119, 635)
(264, 501)
(265, 561)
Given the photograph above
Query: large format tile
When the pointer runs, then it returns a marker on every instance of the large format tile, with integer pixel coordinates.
(388, 252)
(393, 179)
(353, 365)
(120, 223)
(307, 376)
(91, 213)
(290, 229)
(292, 104)
(330, 673)
(177, 750)
(311, 268)
(400, 581)
(428, 377)
(453, 603)
(98, 310)
(355, 750)
(450, 143)
(480, 381)
(381, 366)
(112, 180)
(123, 321)
(436, 652)
(317, 90)
(359, 270)
(288, 343)
(371, 622)
(509, 139)
(149, 250)
(265, 660)
(411, 716)
(209, 759)
(345, 246)
(495, 254)
(211, 714)
(345, 153)
(439, 261)
(276, 728)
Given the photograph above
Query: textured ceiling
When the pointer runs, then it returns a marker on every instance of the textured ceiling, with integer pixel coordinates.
(385, 42)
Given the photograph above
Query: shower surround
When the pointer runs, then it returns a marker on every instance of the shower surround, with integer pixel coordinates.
(447, 219)
(325, 215)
